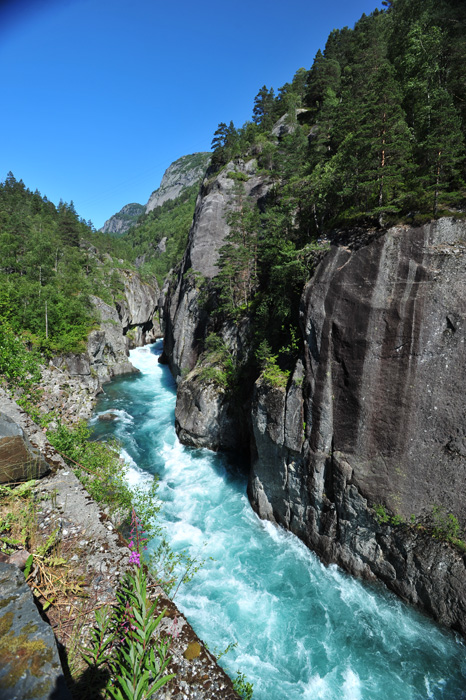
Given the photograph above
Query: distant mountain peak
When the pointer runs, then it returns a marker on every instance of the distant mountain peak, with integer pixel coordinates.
(180, 175)
(119, 223)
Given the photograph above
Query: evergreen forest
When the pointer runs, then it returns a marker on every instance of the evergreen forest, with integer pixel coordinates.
(371, 135)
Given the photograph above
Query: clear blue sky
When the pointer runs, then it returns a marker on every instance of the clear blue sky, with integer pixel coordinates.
(100, 96)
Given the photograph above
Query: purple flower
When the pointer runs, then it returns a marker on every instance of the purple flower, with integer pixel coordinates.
(134, 558)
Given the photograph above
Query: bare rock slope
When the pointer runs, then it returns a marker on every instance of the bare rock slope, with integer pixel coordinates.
(382, 415)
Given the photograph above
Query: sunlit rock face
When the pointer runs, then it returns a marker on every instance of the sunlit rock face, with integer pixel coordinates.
(383, 413)
(183, 173)
(185, 311)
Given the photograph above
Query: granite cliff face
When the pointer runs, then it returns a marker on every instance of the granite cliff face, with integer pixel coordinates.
(382, 413)
(185, 312)
(204, 414)
(373, 414)
(184, 172)
(121, 222)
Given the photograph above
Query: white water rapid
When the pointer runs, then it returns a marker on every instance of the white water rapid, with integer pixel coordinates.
(302, 631)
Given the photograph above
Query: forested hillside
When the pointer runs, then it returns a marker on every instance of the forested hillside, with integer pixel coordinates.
(50, 266)
(169, 223)
(53, 260)
(371, 135)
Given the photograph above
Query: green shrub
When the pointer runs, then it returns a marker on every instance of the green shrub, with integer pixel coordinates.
(239, 177)
(445, 526)
(219, 366)
(19, 365)
(96, 464)
(242, 686)
(273, 375)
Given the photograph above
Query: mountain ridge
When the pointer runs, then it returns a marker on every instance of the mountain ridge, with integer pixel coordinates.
(179, 176)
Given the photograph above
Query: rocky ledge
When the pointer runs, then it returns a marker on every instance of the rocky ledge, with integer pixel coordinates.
(97, 556)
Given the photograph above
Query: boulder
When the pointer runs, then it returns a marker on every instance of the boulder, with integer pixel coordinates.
(19, 460)
(29, 663)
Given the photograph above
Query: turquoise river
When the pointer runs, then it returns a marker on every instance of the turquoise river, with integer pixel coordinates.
(303, 631)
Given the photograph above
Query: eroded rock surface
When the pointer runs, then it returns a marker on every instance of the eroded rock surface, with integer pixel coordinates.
(19, 459)
(383, 411)
(203, 416)
(29, 663)
(185, 312)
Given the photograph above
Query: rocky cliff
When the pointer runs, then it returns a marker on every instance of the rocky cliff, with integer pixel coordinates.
(367, 439)
(381, 415)
(131, 321)
(121, 222)
(185, 306)
(184, 172)
(204, 414)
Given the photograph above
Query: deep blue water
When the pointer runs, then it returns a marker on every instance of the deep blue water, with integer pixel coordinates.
(303, 631)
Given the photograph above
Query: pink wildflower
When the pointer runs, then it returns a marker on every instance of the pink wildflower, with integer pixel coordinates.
(134, 558)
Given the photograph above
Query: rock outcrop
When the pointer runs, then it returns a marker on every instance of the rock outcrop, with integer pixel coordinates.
(19, 459)
(204, 414)
(138, 310)
(185, 308)
(29, 663)
(383, 413)
(183, 173)
(131, 322)
(121, 222)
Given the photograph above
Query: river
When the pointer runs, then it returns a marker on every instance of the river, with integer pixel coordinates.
(302, 631)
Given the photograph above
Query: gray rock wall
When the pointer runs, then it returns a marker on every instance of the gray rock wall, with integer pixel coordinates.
(19, 459)
(184, 314)
(383, 409)
(180, 175)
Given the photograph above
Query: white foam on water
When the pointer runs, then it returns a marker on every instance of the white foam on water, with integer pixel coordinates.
(135, 476)
(304, 631)
(120, 415)
(351, 686)
(186, 534)
(317, 688)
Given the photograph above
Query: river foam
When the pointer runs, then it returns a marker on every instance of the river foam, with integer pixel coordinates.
(302, 630)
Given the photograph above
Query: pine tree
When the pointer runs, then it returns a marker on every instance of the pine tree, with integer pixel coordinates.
(442, 150)
(264, 108)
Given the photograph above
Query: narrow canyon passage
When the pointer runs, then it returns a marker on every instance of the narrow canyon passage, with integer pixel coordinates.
(302, 631)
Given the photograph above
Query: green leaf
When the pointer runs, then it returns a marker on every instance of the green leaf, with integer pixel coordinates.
(27, 569)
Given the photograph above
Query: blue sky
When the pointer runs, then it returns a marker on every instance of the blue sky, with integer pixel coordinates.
(100, 96)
